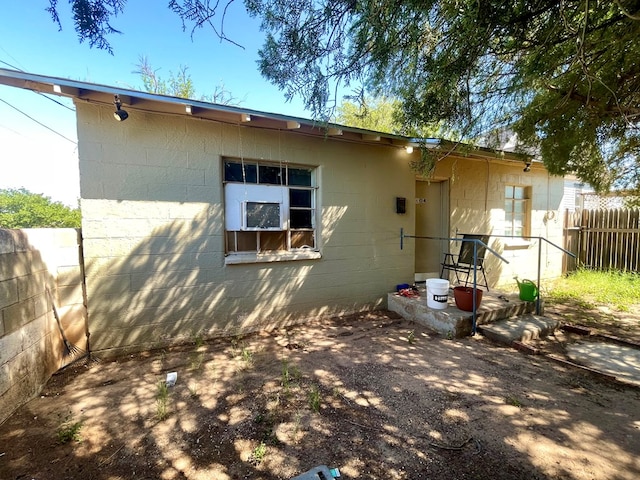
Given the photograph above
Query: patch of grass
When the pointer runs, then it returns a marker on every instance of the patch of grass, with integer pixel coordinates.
(197, 360)
(258, 454)
(411, 337)
(162, 400)
(198, 340)
(513, 401)
(314, 398)
(290, 374)
(193, 390)
(588, 288)
(247, 356)
(69, 431)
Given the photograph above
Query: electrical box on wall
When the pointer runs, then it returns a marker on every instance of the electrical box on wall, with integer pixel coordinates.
(401, 205)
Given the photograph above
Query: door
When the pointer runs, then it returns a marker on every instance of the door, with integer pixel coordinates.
(432, 220)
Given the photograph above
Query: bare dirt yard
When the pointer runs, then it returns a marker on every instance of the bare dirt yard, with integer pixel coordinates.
(371, 394)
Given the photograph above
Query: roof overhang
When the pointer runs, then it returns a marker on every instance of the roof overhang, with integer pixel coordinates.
(163, 104)
(135, 100)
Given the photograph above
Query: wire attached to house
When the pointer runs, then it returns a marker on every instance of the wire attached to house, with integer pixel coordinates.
(37, 121)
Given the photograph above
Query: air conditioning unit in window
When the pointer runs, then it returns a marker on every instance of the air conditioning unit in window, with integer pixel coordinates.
(255, 207)
(262, 216)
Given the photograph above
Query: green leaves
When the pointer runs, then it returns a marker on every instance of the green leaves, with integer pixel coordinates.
(20, 208)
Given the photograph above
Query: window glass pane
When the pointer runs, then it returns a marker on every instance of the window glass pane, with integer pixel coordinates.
(518, 220)
(518, 232)
(508, 206)
(508, 191)
(299, 198)
(519, 207)
(233, 172)
(508, 231)
(272, 241)
(271, 174)
(300, 177)
(300, 219)
(262, 215)
(519, 193)
(302, 240)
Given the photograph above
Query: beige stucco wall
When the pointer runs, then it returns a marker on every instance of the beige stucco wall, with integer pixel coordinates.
(476, 197)
(152, 222)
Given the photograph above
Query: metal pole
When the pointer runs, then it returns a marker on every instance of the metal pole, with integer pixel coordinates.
(539, 269)
(475, 285)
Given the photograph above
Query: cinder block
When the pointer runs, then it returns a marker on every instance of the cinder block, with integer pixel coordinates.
(8, 292)
(18, 314)
(7, 244)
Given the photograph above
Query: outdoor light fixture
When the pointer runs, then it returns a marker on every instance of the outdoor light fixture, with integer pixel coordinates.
(527, 167)
(120, 115)
(409, 149)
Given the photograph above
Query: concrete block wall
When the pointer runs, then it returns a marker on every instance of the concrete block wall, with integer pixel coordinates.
(153, 227)
(477, 206)
(31, 347)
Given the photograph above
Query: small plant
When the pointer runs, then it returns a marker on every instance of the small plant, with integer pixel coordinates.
(197, 359)
(162, 400)
(314, 398)
(513, 401)
(258, 454)
(411, 337)
(290, 373)
(69, 431)
(193, 390)
(247, 356)
(198, 340)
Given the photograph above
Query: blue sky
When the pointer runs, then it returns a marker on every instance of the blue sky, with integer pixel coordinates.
(42, 161)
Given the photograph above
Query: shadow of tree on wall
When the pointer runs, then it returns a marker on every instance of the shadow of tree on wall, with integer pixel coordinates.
(173, 284)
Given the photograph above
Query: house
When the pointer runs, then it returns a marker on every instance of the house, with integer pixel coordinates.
(205, 219)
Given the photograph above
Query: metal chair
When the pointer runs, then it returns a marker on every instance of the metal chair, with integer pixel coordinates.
(463, 262)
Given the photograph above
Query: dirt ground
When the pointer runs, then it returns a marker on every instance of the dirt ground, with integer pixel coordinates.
(370, 394)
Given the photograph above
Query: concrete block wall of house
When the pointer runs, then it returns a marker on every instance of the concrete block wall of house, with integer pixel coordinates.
(162, 262)
(484, 193)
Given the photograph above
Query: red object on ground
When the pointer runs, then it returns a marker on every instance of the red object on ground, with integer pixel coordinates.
(464, 298)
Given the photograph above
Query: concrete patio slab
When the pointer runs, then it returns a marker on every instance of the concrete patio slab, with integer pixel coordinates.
(620, 361)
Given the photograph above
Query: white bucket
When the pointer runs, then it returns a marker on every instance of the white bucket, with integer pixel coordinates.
(437, 293)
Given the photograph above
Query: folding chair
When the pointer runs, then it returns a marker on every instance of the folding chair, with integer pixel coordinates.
(463, 262)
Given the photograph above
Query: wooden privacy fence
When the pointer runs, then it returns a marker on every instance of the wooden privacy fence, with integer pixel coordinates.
(603, 239)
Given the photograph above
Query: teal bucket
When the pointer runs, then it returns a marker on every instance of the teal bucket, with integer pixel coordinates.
(528, 290)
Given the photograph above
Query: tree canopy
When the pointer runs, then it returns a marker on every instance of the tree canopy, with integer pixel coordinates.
(20, 208)
(565, 76)
(179, 84)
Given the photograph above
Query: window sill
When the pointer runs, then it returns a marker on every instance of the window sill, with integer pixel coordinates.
(517, 244)
(242, 258)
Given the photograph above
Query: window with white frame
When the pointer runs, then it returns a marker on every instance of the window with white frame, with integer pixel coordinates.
(516, 211)
(269, 207)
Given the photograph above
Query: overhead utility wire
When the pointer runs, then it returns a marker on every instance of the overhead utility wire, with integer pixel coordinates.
(40, 93)
(38, 122)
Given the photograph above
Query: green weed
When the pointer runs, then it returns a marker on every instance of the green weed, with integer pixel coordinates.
(258, 454)
(162, 400)
(69, 431)
(411, 337)
(314, 398)
(513, 401)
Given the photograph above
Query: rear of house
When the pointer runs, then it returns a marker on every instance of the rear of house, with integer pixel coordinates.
(194, 226)
(202, 219)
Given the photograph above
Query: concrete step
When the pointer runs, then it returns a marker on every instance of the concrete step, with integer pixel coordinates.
(521, 329)
(453, 322)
